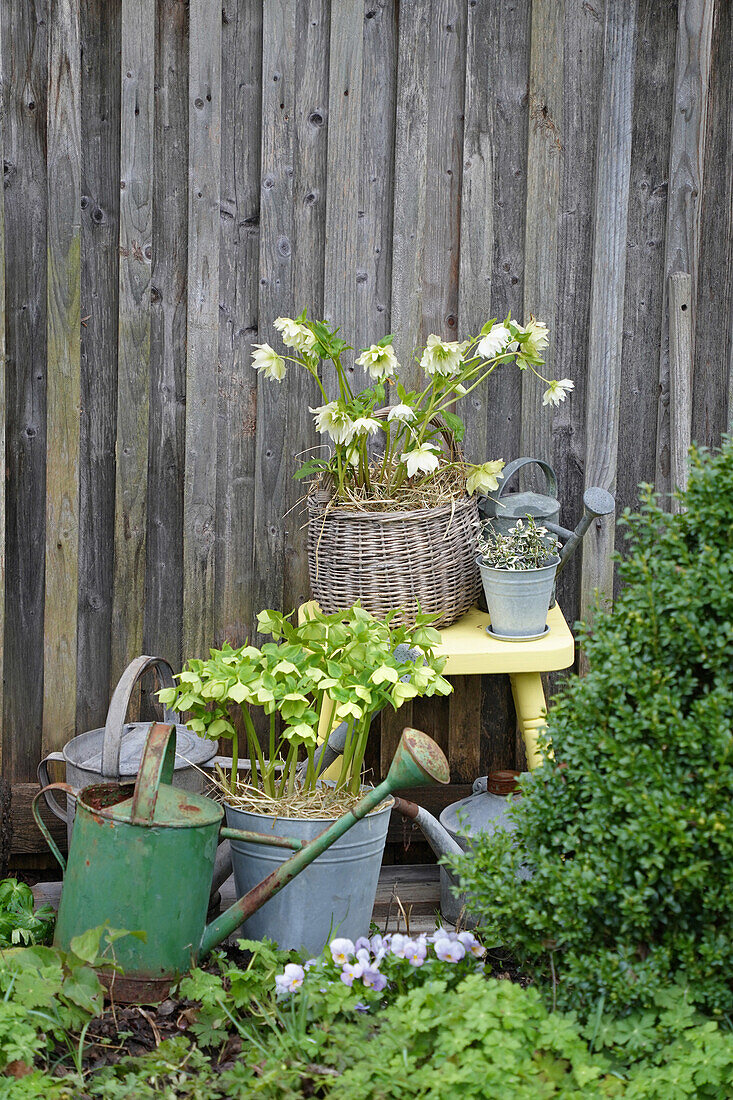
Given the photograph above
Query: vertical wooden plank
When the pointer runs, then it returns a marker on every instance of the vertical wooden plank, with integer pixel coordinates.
(163, 613)
(605, 337)
(508, 53)
(464, 728)
(100, 206)
(238, 282)
(410, 184)
(686, 160)
(310, 188)
(63, 325)
(477, 214)
(544, 172)
(25, 60)
(374, 214)
(582, 69)
(344, 176)
(133, 370)
(651, 124)
(202, 353)
(276, 232)
(4, 789)
(714, 311)
(680, 378)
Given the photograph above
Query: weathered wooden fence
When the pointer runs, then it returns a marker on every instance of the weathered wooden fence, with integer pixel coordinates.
(178, 173)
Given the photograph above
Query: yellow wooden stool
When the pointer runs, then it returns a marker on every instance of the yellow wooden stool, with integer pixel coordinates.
(470, 651)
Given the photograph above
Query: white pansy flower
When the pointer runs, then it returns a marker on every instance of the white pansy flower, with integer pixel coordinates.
(295, 335)
(401, 412)
(266, 359)
(538, 339)
(381, 362)
(422, 460)
(557, 391)
(366, 425)
(495, 342)
(333, 419)
(484, 478)
(443, 356)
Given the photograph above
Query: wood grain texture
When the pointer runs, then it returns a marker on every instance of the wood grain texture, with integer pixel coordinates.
(133, 336)
(25, 69)
(100, 207)
(464, 728)
(310, 131)
(582, 71)
(63, 326)
(686, 163)
(605, 338)
(275, 297)
(544, 174)
(239, 240)
(376, 172)
(163, 616)
(202, 351)
(680, 379)
(477, 215)
(346, 51)
(713, 329)
(653, 84)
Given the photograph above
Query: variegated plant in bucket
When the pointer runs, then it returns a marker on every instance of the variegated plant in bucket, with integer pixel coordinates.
(518, 573)
(392, 503)
(329, 669)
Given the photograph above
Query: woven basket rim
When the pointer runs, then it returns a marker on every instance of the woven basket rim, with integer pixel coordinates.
(395, 514)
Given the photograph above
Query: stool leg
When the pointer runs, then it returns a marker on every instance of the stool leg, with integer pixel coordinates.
(529, 700)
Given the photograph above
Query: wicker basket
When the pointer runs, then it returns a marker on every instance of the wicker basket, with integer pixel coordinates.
(391, 560)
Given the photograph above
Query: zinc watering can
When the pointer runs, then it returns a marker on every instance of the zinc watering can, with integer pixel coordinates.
(502, 512)
(143, 858)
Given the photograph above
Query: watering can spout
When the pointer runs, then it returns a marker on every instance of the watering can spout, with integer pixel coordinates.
(417, 761)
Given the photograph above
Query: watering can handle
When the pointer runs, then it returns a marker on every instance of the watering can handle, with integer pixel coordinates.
(44, 780)
(115, 724)
(550, 477)
(41, 824)
(156, 767)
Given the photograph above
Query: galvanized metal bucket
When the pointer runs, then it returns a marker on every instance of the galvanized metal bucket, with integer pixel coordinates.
(114, 751)
(518, 600)
(334, 896)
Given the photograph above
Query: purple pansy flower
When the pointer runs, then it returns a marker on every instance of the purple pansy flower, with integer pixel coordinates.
(350, 971)
(341, 951)
(449, 950)
(291, 978)
(415, 951)
(373, 978)
(471, 944)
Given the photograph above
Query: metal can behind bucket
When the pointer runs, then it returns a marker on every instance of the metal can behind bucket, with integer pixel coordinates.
(113, 752)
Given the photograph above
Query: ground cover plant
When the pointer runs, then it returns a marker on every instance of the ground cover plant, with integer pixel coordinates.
(628, 829)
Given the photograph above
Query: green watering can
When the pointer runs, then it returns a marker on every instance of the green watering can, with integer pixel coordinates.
(143, 859)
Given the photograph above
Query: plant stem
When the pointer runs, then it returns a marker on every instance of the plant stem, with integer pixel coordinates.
(235, 763)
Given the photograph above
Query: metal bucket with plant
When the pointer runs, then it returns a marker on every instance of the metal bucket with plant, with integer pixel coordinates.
(518, 573)
(328, 669)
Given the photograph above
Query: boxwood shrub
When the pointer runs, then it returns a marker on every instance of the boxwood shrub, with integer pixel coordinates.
(628, 828)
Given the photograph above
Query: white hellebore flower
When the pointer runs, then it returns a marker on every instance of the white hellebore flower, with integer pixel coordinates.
(366, 425)
(484, 478)
(538, 339)
(381, 362)
(422, 460)
(401, 412)
(495, 342)
(266, 359)
(557, 391)
(295, 335)
(334, 419)
(443, 356)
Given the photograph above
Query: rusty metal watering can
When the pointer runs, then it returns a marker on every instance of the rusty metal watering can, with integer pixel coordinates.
(142, 859)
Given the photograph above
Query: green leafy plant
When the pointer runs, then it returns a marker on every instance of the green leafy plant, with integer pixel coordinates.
(410, 432)
(19, 922)
(525, 546)
(340, 667)
(627, 828)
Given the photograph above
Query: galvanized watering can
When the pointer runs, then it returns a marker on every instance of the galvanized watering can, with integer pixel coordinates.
(502, 512)
(142, 859)
(114, 751)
